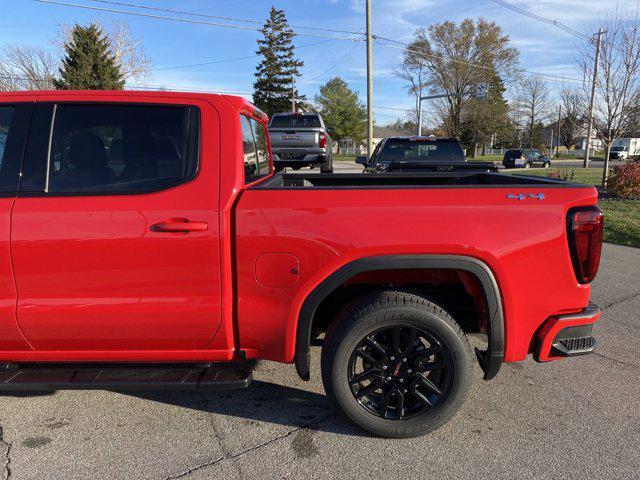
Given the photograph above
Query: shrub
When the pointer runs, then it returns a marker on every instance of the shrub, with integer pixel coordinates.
(624, 182)
(561, 174)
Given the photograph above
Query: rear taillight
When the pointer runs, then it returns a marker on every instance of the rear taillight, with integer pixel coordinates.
(323, 140)
(584, 229)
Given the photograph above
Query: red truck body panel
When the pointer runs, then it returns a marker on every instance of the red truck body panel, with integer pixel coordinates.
(86, 279)
(524, 244)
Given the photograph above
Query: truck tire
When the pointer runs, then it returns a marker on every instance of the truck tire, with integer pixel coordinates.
(327, 167)
(396, 364)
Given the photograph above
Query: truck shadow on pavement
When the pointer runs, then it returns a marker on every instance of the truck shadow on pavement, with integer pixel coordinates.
(262, 402)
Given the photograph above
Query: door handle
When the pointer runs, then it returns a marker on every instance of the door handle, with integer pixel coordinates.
(179, 225)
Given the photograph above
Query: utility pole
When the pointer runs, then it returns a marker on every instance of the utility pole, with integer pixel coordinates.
(559, 123)
(593, 99)
(369, 83)
(420, 116)
(293, 94)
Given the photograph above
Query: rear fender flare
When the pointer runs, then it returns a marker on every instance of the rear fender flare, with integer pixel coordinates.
(490, 359)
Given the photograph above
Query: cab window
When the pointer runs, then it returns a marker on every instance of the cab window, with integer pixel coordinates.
(110, 149)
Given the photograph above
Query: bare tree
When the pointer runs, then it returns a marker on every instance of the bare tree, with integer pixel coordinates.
(618, 84)
(126, 49)
(414, 69)
(26, 67)
(533, 105)
(574, 115)
(450, 58)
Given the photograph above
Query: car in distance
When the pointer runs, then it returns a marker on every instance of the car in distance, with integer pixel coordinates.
(419, 154)
(625, 148)
(148, 244)
(301, 140)
(525, 158)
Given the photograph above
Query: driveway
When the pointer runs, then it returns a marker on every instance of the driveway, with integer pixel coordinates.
(578, 418)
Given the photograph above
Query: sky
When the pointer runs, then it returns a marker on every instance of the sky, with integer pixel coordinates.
(543, 48)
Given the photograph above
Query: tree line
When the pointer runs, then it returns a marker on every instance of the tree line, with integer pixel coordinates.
(451, 58)
(447, 58)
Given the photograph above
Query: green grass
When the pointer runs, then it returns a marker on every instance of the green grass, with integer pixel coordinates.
(590, 176)
(344, 158)
(621, 222)
(486, 158)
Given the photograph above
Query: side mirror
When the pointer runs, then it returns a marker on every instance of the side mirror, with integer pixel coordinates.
(362, 161)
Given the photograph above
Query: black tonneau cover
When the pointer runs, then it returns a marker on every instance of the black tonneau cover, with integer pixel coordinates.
(407, 180)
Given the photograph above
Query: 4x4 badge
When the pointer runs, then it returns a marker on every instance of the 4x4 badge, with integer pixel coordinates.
(524, 196)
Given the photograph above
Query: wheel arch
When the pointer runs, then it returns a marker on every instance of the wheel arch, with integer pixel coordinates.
(490, 359)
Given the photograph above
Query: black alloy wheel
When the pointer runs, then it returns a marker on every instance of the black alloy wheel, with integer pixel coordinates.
(400, 372)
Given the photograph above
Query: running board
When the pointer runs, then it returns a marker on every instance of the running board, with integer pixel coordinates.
(92, 376)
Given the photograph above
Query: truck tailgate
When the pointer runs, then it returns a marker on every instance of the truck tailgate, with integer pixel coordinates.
(294, 138)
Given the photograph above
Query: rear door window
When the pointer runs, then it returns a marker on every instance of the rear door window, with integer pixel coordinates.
(262, 150)
(14, 120)
(400, 150)
(295, 121)
(255, 150)
(102, 149)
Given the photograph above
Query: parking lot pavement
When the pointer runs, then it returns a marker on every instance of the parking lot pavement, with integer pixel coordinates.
(572, 419)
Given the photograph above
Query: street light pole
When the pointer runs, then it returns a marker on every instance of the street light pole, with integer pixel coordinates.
(369, 83)
(293, 94)
(420, 117)
(593, 99)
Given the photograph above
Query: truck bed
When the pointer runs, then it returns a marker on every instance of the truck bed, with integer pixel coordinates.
(391, 180)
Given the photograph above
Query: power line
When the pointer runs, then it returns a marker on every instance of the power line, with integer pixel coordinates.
(202, 15)
(540, 18)
(340, 60)
(213, 62)
(179, 88)
(186, 20)
(405, 47)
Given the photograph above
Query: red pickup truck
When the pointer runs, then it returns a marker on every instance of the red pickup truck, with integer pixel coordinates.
(147, 243)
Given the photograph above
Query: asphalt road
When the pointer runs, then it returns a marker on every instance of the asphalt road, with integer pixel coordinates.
(578, 418)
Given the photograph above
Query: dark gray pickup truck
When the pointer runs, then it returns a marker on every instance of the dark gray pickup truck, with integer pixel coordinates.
(300, 140)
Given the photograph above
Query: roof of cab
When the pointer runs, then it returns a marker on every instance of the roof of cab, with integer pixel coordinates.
(240, 103)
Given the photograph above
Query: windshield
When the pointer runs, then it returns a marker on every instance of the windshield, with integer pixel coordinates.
(532, 153)
(295, 121)
(618, 149)
(421, 151)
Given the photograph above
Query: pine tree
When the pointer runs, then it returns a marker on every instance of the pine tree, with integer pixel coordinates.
(89, 63)
(278, 67)
(487, 119)
(342, 110)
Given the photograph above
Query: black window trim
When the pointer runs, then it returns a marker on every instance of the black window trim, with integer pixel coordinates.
(55, 104)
